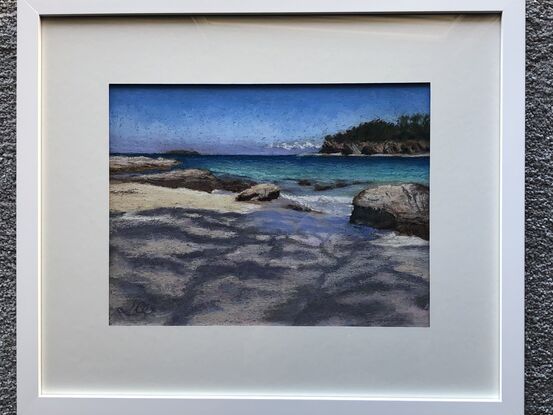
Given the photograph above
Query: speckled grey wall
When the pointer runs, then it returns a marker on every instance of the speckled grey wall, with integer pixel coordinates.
(539, 208)
(7, 206)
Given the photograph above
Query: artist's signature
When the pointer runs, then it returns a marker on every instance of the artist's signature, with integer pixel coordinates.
(137, 308)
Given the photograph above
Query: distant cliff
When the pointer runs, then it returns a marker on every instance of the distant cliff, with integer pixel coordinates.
(408, 135)
(407, 147)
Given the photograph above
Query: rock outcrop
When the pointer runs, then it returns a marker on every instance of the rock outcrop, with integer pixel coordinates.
(404, 208)
(195, 179)
(298, 207)
(407, 147)
(260, 192)
(321, 186)
(124, 164)
(304, 182)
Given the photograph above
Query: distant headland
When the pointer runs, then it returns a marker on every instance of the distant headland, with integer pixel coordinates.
(182, 152)
(408, 135)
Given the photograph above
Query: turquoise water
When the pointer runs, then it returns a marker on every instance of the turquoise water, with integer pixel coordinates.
(318, 168)
(285, 171)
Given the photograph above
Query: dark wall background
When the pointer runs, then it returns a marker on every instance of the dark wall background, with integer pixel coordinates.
(7, 206)
(539, 207)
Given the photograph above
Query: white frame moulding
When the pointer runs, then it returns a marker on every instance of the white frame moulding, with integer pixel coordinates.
(31, 401)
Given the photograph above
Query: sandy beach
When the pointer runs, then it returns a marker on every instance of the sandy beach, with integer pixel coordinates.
(185, 257)
(132, 197)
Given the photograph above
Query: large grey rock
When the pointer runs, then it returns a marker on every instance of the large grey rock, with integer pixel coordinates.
(124, 164)
(260, 192)
(404, 208)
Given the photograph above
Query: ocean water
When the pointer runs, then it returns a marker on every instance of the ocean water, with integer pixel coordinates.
(358, 172)
(319, 168)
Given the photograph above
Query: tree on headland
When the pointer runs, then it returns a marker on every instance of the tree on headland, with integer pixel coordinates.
(406, 127)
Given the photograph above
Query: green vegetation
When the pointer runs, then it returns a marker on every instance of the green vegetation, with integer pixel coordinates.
(406, 127)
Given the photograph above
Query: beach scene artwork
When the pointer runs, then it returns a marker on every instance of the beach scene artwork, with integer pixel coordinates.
(279, 205)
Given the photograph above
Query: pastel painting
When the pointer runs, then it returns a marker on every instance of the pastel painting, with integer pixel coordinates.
(283, 205)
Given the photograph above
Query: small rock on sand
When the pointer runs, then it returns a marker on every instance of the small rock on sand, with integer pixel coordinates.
(260, 192)
(300, 208)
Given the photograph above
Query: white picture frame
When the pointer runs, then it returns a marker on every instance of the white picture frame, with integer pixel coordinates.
(30, 398)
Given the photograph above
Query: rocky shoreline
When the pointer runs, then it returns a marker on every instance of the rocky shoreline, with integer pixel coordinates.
(403, 208)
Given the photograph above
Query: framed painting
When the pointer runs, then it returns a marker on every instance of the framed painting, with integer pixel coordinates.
(211, 222)
(238, 208)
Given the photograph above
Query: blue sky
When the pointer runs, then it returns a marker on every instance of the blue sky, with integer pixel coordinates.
(249, 119)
